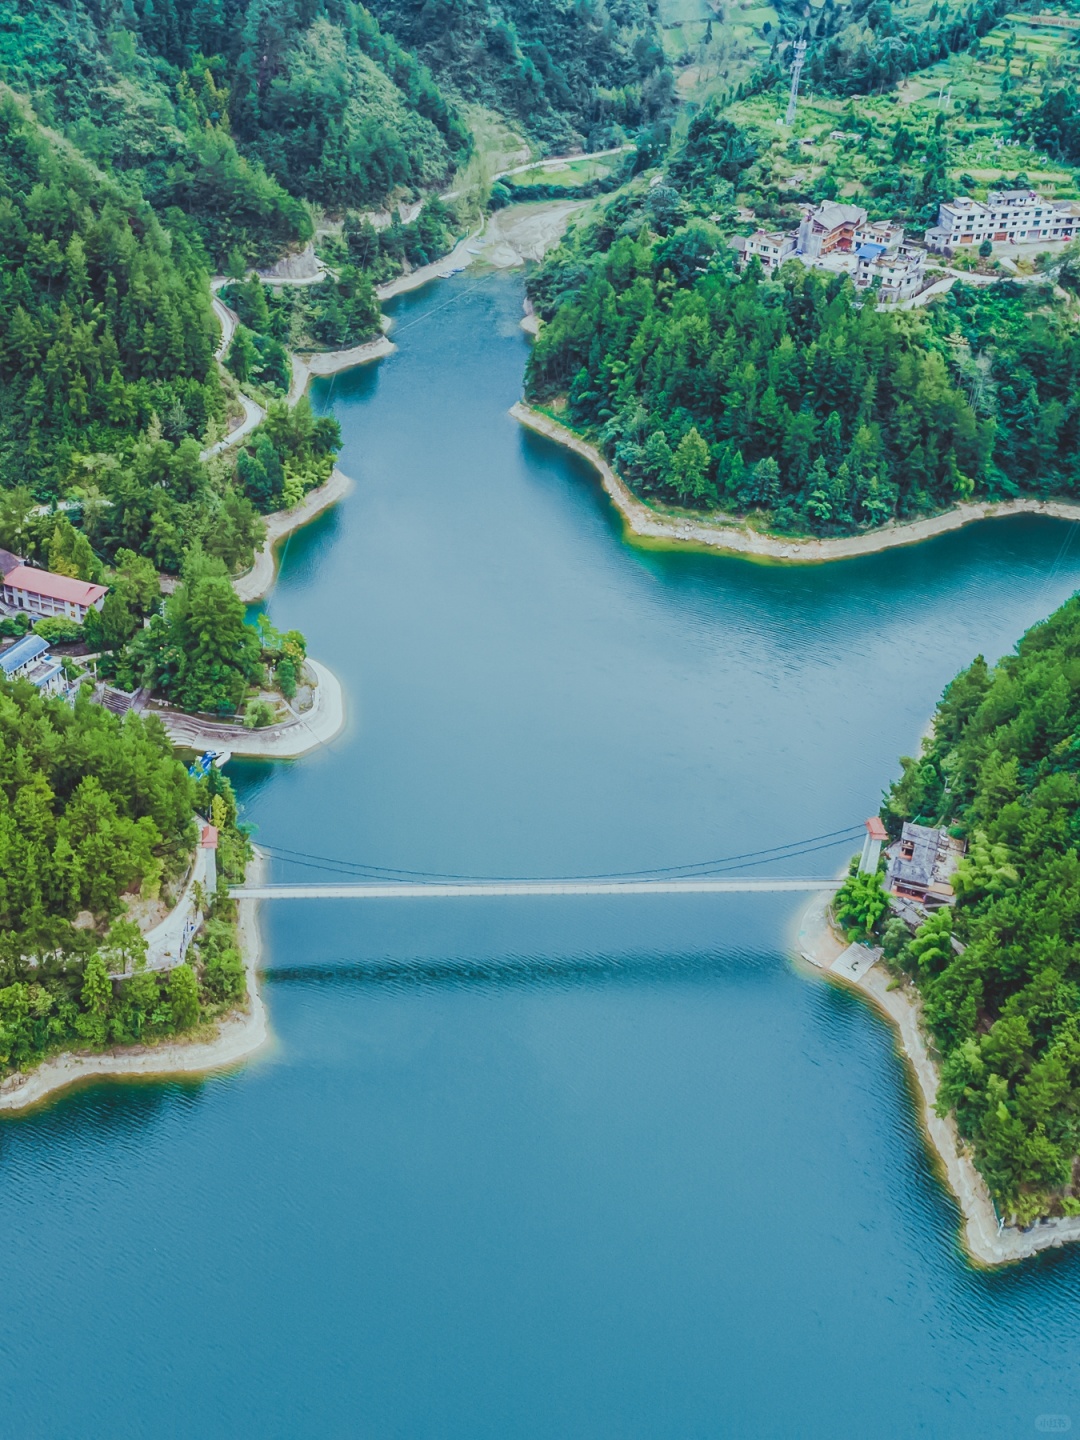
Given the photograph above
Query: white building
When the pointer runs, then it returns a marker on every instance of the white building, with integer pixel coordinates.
(772, 248)
(29, 659)
(1009, 217)
(43, 593)
(896, 274)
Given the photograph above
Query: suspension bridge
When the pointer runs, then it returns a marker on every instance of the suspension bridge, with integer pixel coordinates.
(721, 876)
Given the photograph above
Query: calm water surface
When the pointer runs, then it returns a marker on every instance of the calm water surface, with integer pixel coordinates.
(554, 1168)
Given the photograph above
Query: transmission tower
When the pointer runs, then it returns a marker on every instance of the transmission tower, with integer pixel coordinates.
(796, 71)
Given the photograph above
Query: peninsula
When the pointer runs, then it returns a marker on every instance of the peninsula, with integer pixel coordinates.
(644, 523)
(973, 910)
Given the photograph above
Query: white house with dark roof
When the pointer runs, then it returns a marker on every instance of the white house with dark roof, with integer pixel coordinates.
(772, 248)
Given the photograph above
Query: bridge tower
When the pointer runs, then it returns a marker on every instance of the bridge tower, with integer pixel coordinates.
(871, 850)
(796, 71)
(208, 842)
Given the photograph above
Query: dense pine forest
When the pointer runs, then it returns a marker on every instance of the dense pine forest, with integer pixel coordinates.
(793, 398)
(574, 72)
(1002, 769)
(229, 116)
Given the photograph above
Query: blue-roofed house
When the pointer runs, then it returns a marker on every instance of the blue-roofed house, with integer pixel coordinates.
(897, 271)
(30, 659)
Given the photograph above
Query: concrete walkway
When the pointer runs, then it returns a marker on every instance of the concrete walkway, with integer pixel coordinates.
(254, 415)
(287, 741)
(366, 891)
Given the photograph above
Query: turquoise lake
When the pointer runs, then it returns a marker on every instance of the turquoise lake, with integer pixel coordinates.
(572, 1167)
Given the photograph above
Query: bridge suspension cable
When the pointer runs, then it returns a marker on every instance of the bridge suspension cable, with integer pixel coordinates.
(700, 868)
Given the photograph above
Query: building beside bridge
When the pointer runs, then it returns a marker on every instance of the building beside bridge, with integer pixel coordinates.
(921, 865)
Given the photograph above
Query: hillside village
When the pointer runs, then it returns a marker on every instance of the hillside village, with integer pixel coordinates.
(881, 258)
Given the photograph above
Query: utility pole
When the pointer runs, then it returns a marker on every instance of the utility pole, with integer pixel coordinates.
(796, 71)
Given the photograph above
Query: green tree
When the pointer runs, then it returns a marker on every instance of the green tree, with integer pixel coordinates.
(183, 987)
(690, 468)
(861, 903)
(219, 653)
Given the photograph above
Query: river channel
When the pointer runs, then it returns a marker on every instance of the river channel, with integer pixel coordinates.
(575, 1167)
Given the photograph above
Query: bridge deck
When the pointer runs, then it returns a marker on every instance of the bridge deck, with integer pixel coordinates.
(374, 891)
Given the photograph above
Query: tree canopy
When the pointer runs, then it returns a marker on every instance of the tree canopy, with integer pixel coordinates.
(1002, 769)
(796, 397)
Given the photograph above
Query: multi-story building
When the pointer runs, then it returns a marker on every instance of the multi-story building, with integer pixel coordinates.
(30, 659)
(1009, 217)
(896, 273)
(772, 248)
(830, 226)
(43, 593)
(841, 238)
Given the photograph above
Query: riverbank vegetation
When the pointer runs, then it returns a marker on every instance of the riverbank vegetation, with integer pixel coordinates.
(97, 818)
(999, 974)
(336, 314)
(791, 398)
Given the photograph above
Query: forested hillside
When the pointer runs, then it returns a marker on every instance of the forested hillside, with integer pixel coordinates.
(93, 810)
(1002, 768)
(570, 70)
(793, 399)
(232, 111)
(105, 317)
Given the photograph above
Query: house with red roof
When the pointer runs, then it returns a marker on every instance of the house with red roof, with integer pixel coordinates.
(40, 592)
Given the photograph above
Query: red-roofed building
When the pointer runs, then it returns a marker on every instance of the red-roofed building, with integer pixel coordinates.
(42, 593)
(876, 835)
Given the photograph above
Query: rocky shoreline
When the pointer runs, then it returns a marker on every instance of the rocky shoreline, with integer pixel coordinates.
(987, 1242)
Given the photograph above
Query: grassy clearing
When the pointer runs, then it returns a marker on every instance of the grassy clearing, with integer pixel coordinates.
(974, 95)
(497, 146)
(569, 174)
(712, 54)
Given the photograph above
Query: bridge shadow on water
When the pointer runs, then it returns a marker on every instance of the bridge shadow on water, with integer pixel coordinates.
(515, 971)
